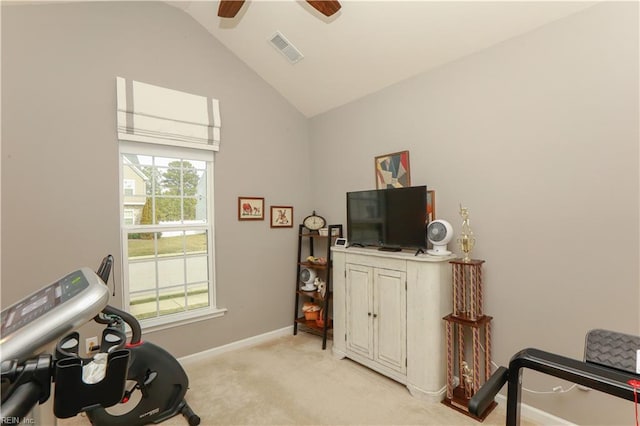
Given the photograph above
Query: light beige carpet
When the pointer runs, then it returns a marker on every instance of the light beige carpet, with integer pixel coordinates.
(292, 381)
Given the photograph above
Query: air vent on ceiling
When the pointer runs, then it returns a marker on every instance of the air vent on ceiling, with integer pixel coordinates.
(286, 48)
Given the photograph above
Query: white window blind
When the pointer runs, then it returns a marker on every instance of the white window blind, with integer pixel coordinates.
(148, 113)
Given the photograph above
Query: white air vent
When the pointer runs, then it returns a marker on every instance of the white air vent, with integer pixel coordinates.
(286, 48)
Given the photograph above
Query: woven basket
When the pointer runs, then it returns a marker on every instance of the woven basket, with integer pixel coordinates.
(312, 316)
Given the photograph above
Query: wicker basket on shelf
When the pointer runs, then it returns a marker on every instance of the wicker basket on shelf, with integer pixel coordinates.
(311, 311)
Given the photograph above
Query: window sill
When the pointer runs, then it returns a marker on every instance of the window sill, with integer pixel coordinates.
(177, 320)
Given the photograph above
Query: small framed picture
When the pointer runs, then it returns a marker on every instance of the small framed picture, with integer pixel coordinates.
(250, 208)
(431, 205)
(281, 216)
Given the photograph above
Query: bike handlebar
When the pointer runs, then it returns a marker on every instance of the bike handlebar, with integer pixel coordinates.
(104, 271)
(136, 331)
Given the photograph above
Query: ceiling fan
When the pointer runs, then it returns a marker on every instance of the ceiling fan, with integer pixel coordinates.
(229, 8)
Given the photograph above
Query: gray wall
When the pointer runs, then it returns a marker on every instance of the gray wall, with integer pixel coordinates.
(538, 137)
(60, 154)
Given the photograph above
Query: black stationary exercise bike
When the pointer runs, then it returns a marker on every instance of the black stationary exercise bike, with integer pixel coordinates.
(142, 384)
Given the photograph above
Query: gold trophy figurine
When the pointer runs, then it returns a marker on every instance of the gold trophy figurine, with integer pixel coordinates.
(467, 382)
(466, 239)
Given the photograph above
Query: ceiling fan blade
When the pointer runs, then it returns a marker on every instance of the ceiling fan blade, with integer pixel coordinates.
(229, 8)
(327, 8)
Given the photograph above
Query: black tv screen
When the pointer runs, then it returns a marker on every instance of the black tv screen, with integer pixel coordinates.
(392, 218)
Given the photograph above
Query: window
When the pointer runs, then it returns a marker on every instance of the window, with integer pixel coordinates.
(129, 186)
(129, 216)
(167, 232)
(167, 139)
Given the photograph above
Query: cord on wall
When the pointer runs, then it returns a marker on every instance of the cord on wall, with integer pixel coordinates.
(555, 389)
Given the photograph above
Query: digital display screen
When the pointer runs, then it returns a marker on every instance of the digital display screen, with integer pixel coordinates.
(41, 302)
(33, 305)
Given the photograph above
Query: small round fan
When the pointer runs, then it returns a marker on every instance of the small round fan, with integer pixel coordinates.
(439, 233)
(307, 277)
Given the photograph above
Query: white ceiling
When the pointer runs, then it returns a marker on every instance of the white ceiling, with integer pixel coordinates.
(367, 45)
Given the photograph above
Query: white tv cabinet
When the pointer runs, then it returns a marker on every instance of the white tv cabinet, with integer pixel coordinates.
(387, 315)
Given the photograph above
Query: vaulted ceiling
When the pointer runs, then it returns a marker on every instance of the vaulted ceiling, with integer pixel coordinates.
(367, 45)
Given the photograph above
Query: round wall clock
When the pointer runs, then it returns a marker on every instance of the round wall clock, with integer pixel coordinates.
(314, 222)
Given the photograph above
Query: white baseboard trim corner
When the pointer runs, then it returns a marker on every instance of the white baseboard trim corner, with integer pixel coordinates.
(239, 344)
(536, 415)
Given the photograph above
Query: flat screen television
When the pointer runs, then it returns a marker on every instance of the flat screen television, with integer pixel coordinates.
(392, 219)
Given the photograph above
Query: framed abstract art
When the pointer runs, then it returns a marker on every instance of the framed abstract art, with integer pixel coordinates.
(392, 170)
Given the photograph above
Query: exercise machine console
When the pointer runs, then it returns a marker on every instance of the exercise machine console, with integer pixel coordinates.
(142, 383)
(38, 320)
(51, 312)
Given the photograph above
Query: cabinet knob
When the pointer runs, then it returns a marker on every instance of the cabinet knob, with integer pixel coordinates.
(375, 315)
(369, 313)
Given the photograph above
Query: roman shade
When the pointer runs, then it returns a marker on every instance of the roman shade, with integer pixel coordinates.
(148, 113)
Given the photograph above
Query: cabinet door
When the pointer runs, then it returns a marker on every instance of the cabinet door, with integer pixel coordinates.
(359, 285)
(390, 322)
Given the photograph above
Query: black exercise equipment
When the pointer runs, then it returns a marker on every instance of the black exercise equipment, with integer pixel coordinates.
(609, 367)
(143, 383)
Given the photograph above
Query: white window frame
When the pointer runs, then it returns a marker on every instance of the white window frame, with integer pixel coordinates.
(176, 319)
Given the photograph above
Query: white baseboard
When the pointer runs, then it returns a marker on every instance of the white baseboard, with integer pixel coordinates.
(244, 343)
(536, 415)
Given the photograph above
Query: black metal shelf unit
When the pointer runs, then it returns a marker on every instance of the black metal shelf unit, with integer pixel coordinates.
(316, 243)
